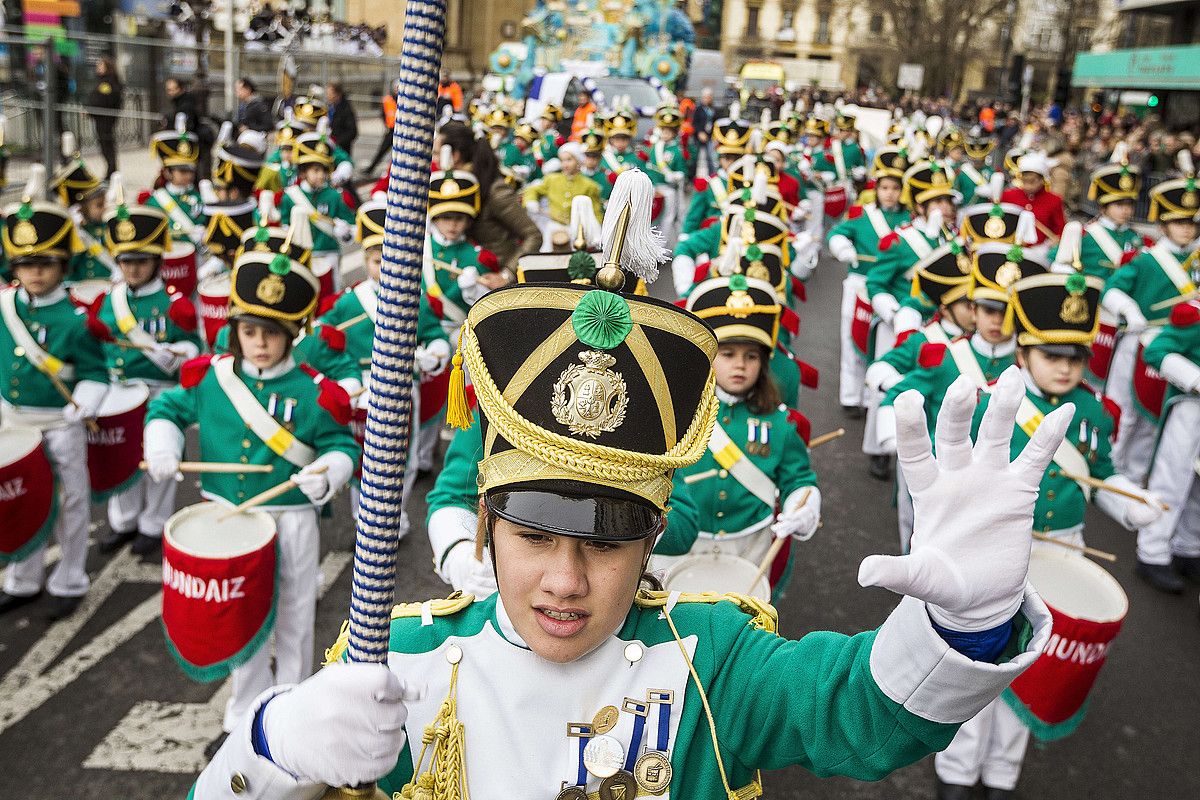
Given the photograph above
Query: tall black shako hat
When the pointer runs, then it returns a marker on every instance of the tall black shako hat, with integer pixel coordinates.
(272, 287)
(590, 397)
(943, 276)
(135, 230)
(996, 267)
(74, 182)
(1058, 312)
(738, 309)
(35, 229)
(228, 221)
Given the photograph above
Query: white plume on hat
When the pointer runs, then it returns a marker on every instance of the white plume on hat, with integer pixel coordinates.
(1185, 163)
(758, 190)
(1026, 140)
(996, 186)
(181, 122)
(735, 110)
(643, 248)
(1034, 162)
(255, 139)
(1026, 228)
(785, 109)
(266, 208)
(933, 223)
(583, 216)
(323, 125)
(1119, 153)
(933, 125)
(35, 187)
(116, 189)
(1068, 247)
(731, 257)
(207, 193)
(226, 132)
(756, 138)
(70, 145)
(299, 229)
(446, 158)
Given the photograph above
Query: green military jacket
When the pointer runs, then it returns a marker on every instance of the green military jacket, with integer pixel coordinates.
(546, 147)
(179, 208)
(706, 202)
(666, 158)
(905, 357)
(859, 227)
(825, 162)
(93, 263)
(1098, 259)
(225, 437)
(1180, 337)
(511, 156)
(150, 306)
(328, 202)
(892, 272)
(1147, 283)
(965, 183)
(60, 329)
(440, 279)
(361, 335)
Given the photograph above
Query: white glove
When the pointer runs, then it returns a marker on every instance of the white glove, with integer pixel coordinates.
(315, 485)
(1139, 515)
(1128, 512)
(906, 319)
(162, 466)
(211, 266)
(858, 173)
(801, 521)
(683, 272)
(432, 358)
(162, 447)
(885, 429)
(841, 248)
(885, 306)
(343, 173)
(1181, 371)
(973, 509)
(196, 234)
(343, 230)
(468, 283)
(165, 358)
(344, 726)
(1120, 304)
(464, 573)
(802, 210)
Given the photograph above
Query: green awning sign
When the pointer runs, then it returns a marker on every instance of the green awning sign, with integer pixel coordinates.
(1140, 68)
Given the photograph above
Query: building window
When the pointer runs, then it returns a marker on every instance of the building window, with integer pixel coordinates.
(876, 25)
(1083, 39)
(752, 22)
(822, 35)
(787, 23)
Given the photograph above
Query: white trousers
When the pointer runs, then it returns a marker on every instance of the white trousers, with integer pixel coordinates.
(885, 337)
(146, 504)
(988, 747)
(1134, 446)
(852, 388)
(67, 449)
(295, 613)
(1173, 478)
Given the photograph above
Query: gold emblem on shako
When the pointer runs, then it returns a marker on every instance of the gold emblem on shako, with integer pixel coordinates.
(590, 399)
(994, 228)
(271, 290)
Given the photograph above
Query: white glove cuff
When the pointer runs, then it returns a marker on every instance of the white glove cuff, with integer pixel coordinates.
(793, 500)
(342, 173)
(841, 248)
(1120, 304)
(340, 468)
(1181, 371)
(906, 319)
(882, 376)
(162, 438)
(1113, 504)
(885, 427)
(88, 395)
(447, 526)
(683, 272)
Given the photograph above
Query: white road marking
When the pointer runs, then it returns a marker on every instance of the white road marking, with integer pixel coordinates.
(171, 737)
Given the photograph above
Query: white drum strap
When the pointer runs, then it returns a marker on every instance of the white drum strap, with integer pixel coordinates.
(127, 323)
(876, 218)
(964, 358)
(1106, 242)
(34, 354)
(318, 220)
(839, 159)
(279, 439)
(96, 250)
(731, 458)
(179, 217)
(1166, 260)
(367, 299)
(936, 334)
(1066, 456)
(916, 240)
(974, 174)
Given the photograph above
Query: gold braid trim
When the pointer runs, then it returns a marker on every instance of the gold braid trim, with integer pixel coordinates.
(446, 777)
(584, 458)
(762, 614)
(453, 604)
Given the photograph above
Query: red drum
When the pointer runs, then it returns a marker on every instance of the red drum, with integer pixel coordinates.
(28, 500)
(836, 200)
(860, 326)
(85, 293)
(218, 587)
(434, 391)
(214, 305)
(1102, 350)
(179, 268)
(1149, 387)
(115, 447)
(1087, 606)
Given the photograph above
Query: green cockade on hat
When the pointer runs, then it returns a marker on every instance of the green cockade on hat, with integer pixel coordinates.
(602, 319)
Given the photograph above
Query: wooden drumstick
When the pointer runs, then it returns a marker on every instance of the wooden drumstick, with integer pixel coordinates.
(825, 438)
(1174, 301)
(215, 466)
(776, 546)
(269, 494)
(128, 345)
(1108, 487)
(350, 323)
(1091, 551)
(62, 389)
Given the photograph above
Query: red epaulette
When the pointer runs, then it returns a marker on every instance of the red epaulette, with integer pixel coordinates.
(887, 241)
(327, 302)
(143, 196)
(799, 289)
(560, 140)
(194, 370)
(900, 337)
(1147, 241)
(333, 338)
(801, 424)
(700, 184)
(932, 354)
(96, 326)
(612, 177)
(1185, 315)
(331, 396)
(435, 305)
(643, 155)
(681, 302)
(709, 222)
(701, 272)
(855, 212)
(183, 312)
(487, 259)
(1112, 408)
(790, 321)
(810, 376)
(1127, 256)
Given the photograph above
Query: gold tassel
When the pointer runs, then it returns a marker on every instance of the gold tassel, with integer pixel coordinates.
(915, 291)
(458, 413)
(1008, 325)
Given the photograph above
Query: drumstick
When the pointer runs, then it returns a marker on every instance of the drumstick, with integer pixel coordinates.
(824, 438)
(776, 546)
(350, 323)
(269, 494)
(1091, 551)
(1087, 480)
(62, 389)
(1174, 301)
(866, 258)
(699, 476)
(145, 348)
(215, 466)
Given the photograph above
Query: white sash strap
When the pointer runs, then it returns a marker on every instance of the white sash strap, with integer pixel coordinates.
(964, 358)
(34, 354)
(1100, 235)
(279, 439)
(1066, 456)
(179, 217)
(318, 220)
(975, 175)
(839, 159)
(367, 299)
(450, 310)
(1172, 269)
(916, 240)
(936, 334)
(731, 458)
(127, 323)
(878, 223)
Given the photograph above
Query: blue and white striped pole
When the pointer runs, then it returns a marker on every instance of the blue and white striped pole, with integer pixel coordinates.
(389, 415)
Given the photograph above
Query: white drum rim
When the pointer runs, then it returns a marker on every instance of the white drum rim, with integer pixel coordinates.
(692, 559)
(180, 249)
(222, 281)
(184, 514)
(29, 438)
(1101, 579)
(125, 392)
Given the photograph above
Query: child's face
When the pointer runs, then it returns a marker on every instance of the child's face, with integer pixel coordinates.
(93, 208)
(667, 134)
(569, 165)
(943, 204)
(592, 160)
(887, 192)
(285, 154)
(962, 314)
(183, 178)
(620, 142)
(314, 175)
(264, 346)
(138, 269)
(373, 259)
(737, 366)
(1032, 182)
(989, 324)
(1181, 232)
(1120, 212)
(39, 278)
(452, 226)
(1054, 375)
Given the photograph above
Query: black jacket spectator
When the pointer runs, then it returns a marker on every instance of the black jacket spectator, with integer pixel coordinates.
(343, 124)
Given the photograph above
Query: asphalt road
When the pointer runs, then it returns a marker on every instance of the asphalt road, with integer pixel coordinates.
(95, 707)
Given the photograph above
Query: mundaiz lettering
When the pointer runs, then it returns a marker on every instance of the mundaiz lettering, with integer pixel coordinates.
(1076, 651)
(107, 436)
(215, 590)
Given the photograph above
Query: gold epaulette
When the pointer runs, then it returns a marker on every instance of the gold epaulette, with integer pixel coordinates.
(441, 607)
(762, 614)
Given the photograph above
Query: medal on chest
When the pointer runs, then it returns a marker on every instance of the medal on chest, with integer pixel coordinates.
(758, 437)
(283, 410)
(645, 765)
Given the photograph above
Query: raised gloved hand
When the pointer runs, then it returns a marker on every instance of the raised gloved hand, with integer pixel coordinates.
(162, 466)
(313, 481)
(841, 248)
(343, 174)
(344, 726)
(463, 572)
(973, 507)
(885, 306)
(432, 358)
(469, 285)
(343, 230)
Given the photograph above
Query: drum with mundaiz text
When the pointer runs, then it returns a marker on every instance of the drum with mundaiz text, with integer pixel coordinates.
(837, 199)
(114, 445)
(716, 572)
(218, 587)
(178, 271)
(28, 500)
(214, 305)
(1088, 607)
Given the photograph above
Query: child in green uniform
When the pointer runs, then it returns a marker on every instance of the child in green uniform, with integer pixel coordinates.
(1109, 242)
(545, 147)
(842, 161)
(160, 333)
(291, 419)
(179, 199)
(593, 154)
(1054, 319)
(83, 193)
(330, 220)
(279, 170)
(732, 137)
(974, 173)
(48, 352)
(517, 154)
(755, 460)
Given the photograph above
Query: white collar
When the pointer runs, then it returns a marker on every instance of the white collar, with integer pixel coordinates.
(1030, 385)
(155, 284)
(442, 241)
(1105, 222)
(727, 398)
(370, 285)
(950, 328)
(986, 348)
(507, 630)
(55, 295)
(280, 369)
(176, 191)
